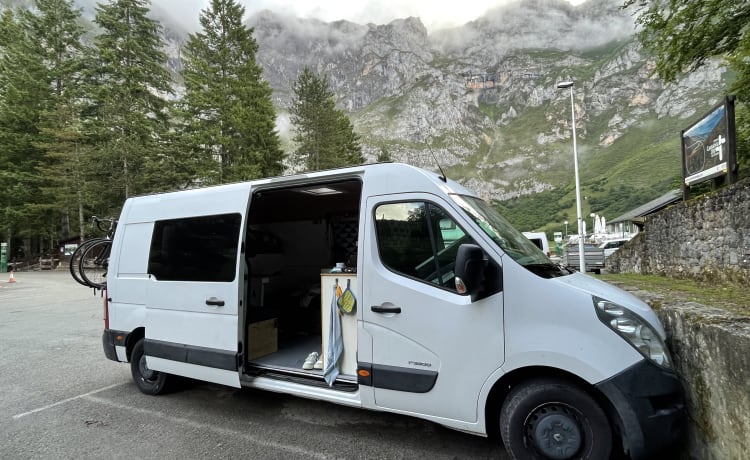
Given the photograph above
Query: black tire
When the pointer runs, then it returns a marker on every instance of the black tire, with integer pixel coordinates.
(75, 260)
(94, 264)
(148, 381)
(552, 419)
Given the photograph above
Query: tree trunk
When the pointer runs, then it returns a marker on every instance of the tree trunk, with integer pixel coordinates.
(127, 178)
(81, 226)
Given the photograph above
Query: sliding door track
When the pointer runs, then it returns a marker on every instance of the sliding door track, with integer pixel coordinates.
(343, 382)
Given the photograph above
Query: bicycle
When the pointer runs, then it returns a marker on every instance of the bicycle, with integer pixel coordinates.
(90, 261)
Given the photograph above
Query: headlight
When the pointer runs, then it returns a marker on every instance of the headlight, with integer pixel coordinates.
(634, 329)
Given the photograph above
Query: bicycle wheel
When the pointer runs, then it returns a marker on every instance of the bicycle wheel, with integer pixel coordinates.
(75, 259)
(109, 228)
(93, 264)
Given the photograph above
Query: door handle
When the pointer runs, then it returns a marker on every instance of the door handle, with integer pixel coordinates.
(379, 309)
(213, 301)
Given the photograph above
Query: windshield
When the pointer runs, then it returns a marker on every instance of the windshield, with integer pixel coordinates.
(510, 240)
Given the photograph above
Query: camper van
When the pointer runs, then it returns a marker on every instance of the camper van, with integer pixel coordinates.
(390, 288)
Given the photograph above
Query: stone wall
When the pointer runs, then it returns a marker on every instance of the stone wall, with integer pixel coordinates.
(711, 352)
(707, 238)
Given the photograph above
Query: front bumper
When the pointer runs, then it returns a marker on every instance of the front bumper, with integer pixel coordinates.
(649, 403)
(112, 339)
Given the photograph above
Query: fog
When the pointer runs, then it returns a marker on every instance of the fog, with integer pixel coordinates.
(542, 24)
(435, 14)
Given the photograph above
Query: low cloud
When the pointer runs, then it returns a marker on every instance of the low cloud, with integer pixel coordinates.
(542, 24)
(435, 14)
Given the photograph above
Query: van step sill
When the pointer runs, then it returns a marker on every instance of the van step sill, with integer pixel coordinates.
(346, 383)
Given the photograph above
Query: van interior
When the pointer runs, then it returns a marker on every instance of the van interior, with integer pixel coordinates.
(293, 235)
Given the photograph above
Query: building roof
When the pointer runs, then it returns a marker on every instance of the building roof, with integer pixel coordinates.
(638, 214)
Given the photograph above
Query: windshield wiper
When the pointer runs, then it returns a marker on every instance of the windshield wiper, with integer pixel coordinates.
(547, 270)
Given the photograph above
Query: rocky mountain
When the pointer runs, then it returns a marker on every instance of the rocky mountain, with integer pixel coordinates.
(481, 99)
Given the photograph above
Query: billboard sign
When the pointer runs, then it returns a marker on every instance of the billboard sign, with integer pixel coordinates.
(708, 146)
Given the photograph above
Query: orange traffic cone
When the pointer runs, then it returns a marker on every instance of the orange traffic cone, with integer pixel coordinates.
(11, 280)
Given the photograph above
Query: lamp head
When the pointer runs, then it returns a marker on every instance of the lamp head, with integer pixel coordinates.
(565, 84)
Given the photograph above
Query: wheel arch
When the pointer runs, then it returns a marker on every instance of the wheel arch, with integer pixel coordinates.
(508, 381)
(133, 338)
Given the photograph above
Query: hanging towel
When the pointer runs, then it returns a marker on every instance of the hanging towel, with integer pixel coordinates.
(347, 302)
(335, 342)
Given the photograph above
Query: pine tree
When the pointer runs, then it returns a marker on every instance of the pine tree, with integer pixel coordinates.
(23, 97)
(324, 134)
(57, 31)
(227, 112)
(128, 119)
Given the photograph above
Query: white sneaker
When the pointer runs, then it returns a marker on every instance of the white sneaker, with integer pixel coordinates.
(310, 360)
(319, 363)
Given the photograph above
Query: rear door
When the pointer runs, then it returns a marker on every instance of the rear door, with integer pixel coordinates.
(194, 294)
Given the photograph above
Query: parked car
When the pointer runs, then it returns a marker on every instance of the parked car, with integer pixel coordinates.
(540, 240)
(610, 246)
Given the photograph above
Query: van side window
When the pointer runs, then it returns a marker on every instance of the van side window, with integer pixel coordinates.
(195, 249)
(419, 240)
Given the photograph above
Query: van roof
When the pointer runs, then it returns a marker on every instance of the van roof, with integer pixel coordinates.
(334, 173)
(382, 178)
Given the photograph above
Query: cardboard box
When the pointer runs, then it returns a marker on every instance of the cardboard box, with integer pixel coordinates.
(262, 338)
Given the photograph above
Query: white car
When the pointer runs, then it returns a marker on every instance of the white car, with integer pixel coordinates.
(612, 245)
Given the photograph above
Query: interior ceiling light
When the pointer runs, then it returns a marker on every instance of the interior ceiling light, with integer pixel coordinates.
(320, 191)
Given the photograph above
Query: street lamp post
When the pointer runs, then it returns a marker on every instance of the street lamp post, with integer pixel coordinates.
(566, 229)
(563, 85)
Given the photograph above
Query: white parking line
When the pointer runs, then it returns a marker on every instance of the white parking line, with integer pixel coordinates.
(204, 426)
(49, 406)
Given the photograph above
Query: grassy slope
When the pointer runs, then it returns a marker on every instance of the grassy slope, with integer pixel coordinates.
(642, 164)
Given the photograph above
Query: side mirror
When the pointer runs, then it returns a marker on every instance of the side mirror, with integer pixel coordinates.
(469, 270)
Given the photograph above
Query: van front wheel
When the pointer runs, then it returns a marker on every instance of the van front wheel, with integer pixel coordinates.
(551, 419)
(148, 381)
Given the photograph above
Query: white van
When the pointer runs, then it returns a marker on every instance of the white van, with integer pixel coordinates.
(540, 240)
(475, 330)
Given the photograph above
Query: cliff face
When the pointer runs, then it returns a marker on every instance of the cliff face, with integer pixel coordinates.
(482, 98)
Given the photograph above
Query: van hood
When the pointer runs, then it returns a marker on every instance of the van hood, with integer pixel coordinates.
(595, 287)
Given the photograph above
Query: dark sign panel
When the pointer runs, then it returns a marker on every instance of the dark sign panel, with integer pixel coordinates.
(708, 145)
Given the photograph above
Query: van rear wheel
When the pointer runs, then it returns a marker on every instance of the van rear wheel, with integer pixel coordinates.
(148, 381)
(552, 419)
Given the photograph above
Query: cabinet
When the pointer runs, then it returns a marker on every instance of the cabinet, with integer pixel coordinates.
(348, 362)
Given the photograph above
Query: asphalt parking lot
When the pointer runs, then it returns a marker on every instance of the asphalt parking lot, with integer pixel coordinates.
(61, 398)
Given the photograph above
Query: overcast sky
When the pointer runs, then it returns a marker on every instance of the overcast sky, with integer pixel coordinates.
(435, 14)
